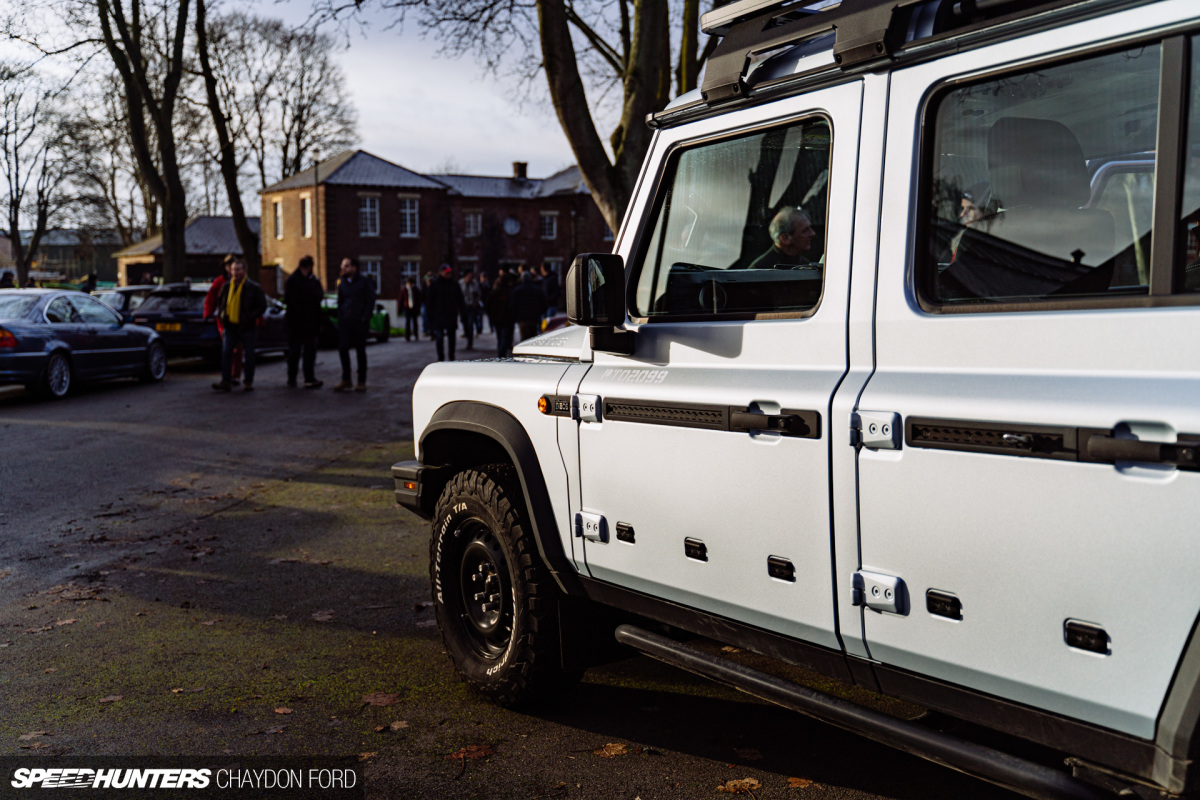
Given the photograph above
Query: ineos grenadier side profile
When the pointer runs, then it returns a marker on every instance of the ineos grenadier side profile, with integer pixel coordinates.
(894, 374)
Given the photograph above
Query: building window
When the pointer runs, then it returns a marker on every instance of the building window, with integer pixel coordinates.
(549, 224)
(409, 221)
(410, 267)
(469, 264)
(370, 267)
(277, 216)
(608, 233)
(306, 217)
(368, 216)
(472, 223)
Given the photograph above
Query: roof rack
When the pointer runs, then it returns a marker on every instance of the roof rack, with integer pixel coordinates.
(866, 31)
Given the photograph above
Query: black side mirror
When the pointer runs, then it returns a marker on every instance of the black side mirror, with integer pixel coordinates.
(595, 293)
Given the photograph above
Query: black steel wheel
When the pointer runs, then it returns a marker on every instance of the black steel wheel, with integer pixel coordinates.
(56, 379)
(496, 603)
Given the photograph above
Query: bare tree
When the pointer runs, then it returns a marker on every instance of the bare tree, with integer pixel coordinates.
(132, 33)
(227, 158)
(314, 110)
(583, 47)
(31, 159)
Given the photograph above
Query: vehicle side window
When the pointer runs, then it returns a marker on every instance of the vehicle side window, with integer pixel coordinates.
(740, 227)
(1041, 183)
(94, 312)
(1190, 281)
(60, 311)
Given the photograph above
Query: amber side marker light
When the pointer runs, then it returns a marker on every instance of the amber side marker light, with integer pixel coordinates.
(7, 339)
(410, 485)
(543, 405)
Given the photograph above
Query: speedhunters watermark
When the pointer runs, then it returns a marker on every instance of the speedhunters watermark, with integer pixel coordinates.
(207, 777)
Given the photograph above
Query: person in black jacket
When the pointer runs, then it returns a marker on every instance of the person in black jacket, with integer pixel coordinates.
(240, 306)
(356, 304)
(303, 294)
(528, 304)
(444, 300)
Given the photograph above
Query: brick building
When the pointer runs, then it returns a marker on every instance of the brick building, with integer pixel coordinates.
(398, 222)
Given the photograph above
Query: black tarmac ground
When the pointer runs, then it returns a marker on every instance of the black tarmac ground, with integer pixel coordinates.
(190, 574)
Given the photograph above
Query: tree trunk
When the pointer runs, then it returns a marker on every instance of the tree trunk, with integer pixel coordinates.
(229, 170)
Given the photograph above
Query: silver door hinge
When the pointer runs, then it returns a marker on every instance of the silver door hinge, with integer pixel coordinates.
(876, 430)
(585, 407)
(591, 526)
(879, 592)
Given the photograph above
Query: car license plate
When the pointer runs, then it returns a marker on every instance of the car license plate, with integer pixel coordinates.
(167, 326)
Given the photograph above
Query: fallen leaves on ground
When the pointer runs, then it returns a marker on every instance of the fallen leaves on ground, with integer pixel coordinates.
(740, 786)
(399, 724)
(282, 710)
(41, 629)
(323, 616)
(381, 699)
(25, 737)
(211, 622)
(367, 756)
(62, 622)
(35, 746)
(112, 698)
(277, 729)
(473, 752)
(611, 750)
(187, 691)
(799, 783)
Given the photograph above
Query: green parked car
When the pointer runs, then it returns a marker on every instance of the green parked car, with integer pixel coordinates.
(380, 328)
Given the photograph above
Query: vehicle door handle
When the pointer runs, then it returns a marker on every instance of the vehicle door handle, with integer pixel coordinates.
(1111, 449)
(804, 424)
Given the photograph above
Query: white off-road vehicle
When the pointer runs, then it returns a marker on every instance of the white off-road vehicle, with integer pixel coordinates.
(894, 374)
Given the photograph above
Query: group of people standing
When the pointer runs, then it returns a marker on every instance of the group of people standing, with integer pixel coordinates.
(238, 304)
(519, 298)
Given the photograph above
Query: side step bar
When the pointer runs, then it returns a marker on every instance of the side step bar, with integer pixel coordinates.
(1025, 777)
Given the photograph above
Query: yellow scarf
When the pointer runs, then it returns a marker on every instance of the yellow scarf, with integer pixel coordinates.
(233, 305)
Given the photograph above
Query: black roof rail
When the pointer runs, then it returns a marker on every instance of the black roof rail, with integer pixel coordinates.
(866, 31)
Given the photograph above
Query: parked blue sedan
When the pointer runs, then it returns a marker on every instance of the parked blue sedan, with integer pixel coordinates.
(49, 339)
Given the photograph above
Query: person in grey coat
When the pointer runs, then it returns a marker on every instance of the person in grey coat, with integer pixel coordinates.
(356, 304)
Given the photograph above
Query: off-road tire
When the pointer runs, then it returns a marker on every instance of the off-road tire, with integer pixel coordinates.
(156, 363)
(57, 377)
(497, 606)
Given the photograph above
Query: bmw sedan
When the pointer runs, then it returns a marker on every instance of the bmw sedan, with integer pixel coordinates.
(50, 339)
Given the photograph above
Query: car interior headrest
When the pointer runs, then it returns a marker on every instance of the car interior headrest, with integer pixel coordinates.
(1036, 162)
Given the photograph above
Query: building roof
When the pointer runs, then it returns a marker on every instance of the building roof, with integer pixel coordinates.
(204, 236)
(567, 181)
(73, 237)
(357, 168)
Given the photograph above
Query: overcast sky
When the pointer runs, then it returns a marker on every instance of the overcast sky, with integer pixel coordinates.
(421, 110)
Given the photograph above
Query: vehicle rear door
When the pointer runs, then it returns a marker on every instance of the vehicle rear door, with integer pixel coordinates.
(1035, 344)
(708, 459)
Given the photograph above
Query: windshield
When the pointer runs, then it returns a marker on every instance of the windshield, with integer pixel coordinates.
(13, 306)
(173, 304)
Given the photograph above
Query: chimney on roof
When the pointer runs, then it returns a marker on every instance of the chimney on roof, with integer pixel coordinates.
(520, 170)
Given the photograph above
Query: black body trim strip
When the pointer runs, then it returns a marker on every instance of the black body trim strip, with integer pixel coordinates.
(983, 762)
(789, 422)
(1170, 161)
(496, 424)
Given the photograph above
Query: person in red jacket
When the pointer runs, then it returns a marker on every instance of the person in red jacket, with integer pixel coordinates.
(210, 310)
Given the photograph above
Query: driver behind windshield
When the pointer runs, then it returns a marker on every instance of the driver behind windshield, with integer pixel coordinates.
(791, 236)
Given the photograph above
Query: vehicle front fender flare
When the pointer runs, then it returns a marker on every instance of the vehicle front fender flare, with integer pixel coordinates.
(443, 444)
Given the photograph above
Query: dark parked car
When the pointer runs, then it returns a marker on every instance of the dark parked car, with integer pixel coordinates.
(124, 299)
(176, 312)
(49, 339)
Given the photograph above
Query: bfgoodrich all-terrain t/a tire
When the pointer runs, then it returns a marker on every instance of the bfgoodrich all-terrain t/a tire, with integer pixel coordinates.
(496, 603)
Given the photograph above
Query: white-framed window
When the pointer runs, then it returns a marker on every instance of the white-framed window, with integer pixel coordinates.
(370, 266)
(368, 215)
(306, 216)
(608, 233)
(555, 265)
(277, 217)
(468, 264)
(472, 224)
(409, 219)
(549, 224)
(410, 267)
